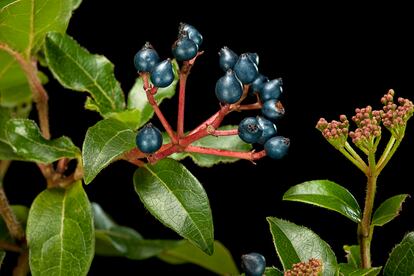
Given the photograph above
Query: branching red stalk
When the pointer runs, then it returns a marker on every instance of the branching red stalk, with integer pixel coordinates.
(249, 155)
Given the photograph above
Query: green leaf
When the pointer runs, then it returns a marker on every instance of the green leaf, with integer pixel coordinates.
(104, 142)
(223, 142)
(176, 198)
(21, 212)
(353, 256)
(26, 140)
(221, 262)
(75, 68)
(296, 244)
(137, 98)
(401, 260)
(101, 219)
(273, 271)
(349, 270)
(24, 23)
(326, 194)
(388, 210)
(130, 117)
(60, 232)
(6, 151)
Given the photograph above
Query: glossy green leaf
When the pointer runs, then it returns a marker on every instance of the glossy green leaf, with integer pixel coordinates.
(103, 143)
(75, 68)
(353, 256)
(101, 219)
(223, 142)
(296, 244)
(221, 262)
(273, 271)
(349, 270)
(388, 210)
(401, 260)
(326, 194)
(176, 198)
(137, 98)
(21, 212)
(26, 140)
(24, 23)
(60, 232)
(6, 151)
(131, 117)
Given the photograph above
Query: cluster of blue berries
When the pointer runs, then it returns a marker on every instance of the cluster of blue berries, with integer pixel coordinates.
(243, 70)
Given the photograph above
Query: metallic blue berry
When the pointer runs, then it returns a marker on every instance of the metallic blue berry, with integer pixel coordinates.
(228, 58)
(277, 147)
(253, 264)
(149, 139)
(273, 109)
(192, 32)
(184, 48)
(146, 58)
(258, 83)
(269, 129)
(249, 130)
(245, 69)
(271, 90)
(254, 57)
(228, 88)
(162, 75)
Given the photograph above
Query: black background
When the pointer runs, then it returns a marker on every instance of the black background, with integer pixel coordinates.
(332, 59)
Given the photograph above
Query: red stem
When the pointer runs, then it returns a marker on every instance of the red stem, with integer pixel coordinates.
(181, 101)
(228, 132)
(249, 155)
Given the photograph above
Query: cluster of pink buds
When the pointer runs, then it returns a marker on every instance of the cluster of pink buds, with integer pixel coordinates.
(395, 117)
(311, 268)
(336, 132)
(368, 122)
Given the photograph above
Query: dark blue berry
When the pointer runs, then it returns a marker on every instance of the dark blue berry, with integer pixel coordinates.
(146, 58)
(228, 58)
(271, 90)
(192, 32)
(184, 48)
(273, 109)
(249, 130)
(277, 147)
(162, 75)
(253, 264)
(149, 139)
(245, 69)
(258, 83)
(254, 57)
(228, 88)
(269, 129)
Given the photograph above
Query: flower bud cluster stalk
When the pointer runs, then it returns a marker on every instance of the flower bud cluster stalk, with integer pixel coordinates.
(366, 137)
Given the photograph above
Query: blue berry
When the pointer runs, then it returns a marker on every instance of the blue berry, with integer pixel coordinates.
(277, 147)
(273, 109)
(149, 139)
(162, 75)
(268, 129)
(184, 48)
(271, 90)
(254, 57)
(228, 88)
(192, 32)
(146, 58)
(253, 264)
(228, 58)
(249, 130)
(245, 69)
(258, 83)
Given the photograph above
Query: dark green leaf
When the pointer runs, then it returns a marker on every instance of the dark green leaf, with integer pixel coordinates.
(75, 68)
(176, 198)
(221, 262)
(101, 219)
(60, 232)
(353, 255)
(296, 244)
(388, 210)
(349, 270)
(326, 194)
(137, 98)
(401, 260)
(273, 271)
(223, 142)
(21, 212)
(26, 140)
(104, 142)
(25, 23)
